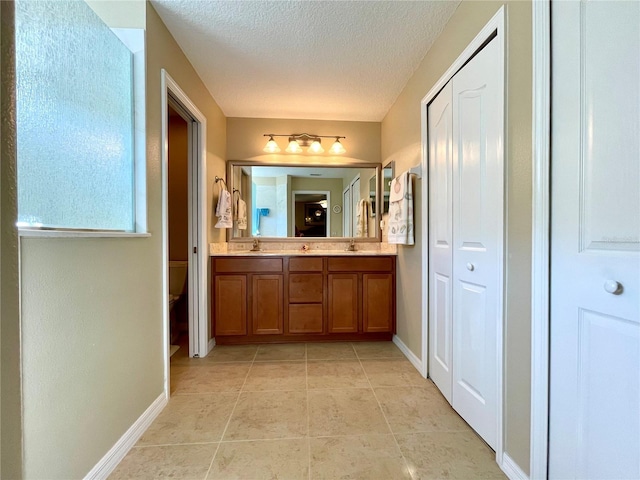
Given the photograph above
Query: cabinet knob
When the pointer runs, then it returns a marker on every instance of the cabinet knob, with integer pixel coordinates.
(613, 287)
(470, 267)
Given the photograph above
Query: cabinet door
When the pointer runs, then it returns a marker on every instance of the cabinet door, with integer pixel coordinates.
(377, 302)
(305, 318)
(230, 305)
(343, 302)
(267, 304)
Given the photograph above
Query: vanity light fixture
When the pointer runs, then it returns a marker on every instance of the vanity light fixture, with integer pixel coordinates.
(316, 147)
(271, 146)
(299, 140)
(293, 147)
(337, 148)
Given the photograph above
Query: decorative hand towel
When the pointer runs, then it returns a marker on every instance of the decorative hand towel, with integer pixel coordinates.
(362, 223)
(241, 214)
(401, 211)
(223, 209)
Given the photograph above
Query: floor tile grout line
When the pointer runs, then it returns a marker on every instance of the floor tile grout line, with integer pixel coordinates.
(230, 417)
(306, 376)
(275, 439)
(406, 464)
(185, 444)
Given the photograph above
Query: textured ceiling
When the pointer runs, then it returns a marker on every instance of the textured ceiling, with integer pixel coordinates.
(324, 60)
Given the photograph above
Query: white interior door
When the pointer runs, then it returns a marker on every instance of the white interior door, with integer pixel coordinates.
(594, 427)
(440, 120)
(477, 238)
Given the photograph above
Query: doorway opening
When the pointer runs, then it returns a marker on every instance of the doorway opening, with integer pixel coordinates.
(178, 224)
(310, 218)
(183, 224)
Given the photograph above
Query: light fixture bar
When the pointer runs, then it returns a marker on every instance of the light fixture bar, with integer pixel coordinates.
(298, 140)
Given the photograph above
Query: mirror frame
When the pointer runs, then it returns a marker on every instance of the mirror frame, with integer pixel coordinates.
(344, 164)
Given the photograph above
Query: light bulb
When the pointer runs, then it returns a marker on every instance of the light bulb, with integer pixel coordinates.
(315, 147)
(337, 148)
(293, 147)
(271, 146)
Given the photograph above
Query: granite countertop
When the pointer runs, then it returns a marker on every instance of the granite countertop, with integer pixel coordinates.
(298, 252)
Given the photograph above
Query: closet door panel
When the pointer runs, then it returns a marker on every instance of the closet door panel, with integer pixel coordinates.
(471, 172)
(477, 238)
(440, 127)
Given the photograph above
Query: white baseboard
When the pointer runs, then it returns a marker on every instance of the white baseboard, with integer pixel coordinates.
(415, 361)
(212, 343)
(110, 461)
(511, 469)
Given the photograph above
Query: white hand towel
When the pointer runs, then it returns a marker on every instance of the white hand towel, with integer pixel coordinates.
(223, 210)
(401, 211)
(362, 224)
(241, 214)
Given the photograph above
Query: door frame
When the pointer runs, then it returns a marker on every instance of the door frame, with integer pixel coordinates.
(541, 239)
(293, 209)
(495, 24)
(198, 317)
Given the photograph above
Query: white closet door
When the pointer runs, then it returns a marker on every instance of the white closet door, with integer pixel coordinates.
(440, 118)
(346, 212)
(477, 238)
(355, 199)
(594, 428)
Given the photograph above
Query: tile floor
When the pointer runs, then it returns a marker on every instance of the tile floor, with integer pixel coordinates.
(306, 411)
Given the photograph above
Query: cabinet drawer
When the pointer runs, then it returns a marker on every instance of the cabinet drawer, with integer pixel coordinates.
(360, 264)
(308, 264)
(305, 318)
(305, 287)
(243, 265)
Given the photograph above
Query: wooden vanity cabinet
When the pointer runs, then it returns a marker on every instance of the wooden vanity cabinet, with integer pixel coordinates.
(247, 296)
(302, 298)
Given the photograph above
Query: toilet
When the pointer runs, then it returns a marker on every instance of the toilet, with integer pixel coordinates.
(177, 286)
(177, 280)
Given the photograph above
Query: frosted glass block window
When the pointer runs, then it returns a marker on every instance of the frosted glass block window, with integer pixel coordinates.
(74, 119)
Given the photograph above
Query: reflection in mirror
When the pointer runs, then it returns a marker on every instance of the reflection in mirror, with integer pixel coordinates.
(310, 217)
(388, 174)
(306, 201)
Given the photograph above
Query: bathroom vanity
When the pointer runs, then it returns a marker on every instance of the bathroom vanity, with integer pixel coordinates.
(264, 298)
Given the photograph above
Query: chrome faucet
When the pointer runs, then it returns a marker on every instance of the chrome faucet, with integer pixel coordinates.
(351, 247)
(256, 246)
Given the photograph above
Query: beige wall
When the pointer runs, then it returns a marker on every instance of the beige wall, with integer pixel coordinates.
(164, 52)
(245, 140)
(401, 142)
(178, 189)
(10, 408)
(92, 307)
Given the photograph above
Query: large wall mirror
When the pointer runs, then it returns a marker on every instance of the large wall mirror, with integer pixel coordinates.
(306, 201)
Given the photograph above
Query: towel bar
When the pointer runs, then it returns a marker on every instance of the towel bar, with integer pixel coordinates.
(417, 171)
